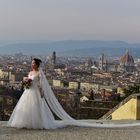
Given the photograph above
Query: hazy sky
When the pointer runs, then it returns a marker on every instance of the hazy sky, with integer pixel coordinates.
(70, 19)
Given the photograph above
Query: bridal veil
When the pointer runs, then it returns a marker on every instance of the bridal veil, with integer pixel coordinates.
(66, 119)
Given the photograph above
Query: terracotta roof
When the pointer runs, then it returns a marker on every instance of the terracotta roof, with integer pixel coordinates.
(127, 59)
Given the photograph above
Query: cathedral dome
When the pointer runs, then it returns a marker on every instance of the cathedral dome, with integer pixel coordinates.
(127, 59)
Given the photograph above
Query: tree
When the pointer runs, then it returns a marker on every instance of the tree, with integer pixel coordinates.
(133, 89)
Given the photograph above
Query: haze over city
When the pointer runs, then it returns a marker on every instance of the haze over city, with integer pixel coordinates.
(69, 69)
(51, 20)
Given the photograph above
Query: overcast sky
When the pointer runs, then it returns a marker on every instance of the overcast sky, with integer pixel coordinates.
(70, 19)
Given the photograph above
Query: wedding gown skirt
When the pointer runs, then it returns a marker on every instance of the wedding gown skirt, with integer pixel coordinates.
(32, 111)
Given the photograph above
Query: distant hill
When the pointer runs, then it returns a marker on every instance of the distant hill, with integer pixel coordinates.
(72, 48)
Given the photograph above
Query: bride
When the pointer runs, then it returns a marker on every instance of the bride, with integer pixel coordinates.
(34, 108)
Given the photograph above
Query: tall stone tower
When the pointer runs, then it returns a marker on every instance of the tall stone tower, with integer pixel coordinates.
(103, 65)
(101, 61)
(53, 59)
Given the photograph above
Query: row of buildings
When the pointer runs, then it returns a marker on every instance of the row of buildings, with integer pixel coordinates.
(86, 75)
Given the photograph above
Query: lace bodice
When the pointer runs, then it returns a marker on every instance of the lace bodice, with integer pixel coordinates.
(35, 78)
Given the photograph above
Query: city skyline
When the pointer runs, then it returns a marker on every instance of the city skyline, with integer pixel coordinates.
(68, 20)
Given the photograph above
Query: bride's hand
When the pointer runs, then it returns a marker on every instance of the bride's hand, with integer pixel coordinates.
(41, 94)
(25, 78)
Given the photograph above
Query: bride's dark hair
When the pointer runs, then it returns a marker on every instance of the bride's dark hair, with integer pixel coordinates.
(37, 61)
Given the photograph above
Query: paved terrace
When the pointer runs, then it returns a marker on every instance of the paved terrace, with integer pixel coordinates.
(72, 133)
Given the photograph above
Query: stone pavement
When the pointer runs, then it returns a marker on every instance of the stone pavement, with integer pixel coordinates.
(71, 133)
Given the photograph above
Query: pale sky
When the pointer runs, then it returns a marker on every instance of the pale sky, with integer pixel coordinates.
(70, 19)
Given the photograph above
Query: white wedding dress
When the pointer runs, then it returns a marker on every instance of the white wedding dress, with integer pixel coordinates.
(34, 112)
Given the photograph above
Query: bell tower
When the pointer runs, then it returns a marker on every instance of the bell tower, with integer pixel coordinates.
(53, 59)
(101, 61)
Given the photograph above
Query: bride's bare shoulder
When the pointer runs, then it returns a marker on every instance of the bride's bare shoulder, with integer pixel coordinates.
(33, 73)
(30, 72)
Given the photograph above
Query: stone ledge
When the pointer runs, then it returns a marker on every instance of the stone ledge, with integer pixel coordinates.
(72, 133)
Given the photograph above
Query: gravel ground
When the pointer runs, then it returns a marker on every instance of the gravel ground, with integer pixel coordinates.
(70, 133)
